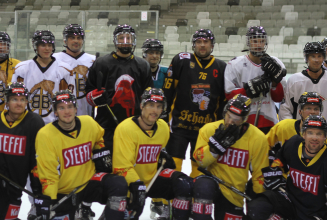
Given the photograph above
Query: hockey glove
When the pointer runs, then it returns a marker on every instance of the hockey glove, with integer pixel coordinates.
(137, 196)
(43, 205)
(257, 85)
(223, 138)
(170, 163)
(270, 66)
(102, 160)
(98, 98)
(273, 178)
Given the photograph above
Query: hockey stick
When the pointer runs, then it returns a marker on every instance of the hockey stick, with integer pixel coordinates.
(151, 183)
(17, 186)
(229, 186)
(99, 82)
(258, 109)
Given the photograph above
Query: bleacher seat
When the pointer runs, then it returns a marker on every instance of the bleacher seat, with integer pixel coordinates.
(268, 2)
(276, 39)
(236, 8)
(204, 23)
(302, 40)
(268, 23)
(294, 23)
(309, 23)
(221, 38)
(318, 38)
(286, 31)
(291, 15)
(253, 23)
(203, 15)
(286, 8)
(313, 8)
(300, 8)
(234, 39)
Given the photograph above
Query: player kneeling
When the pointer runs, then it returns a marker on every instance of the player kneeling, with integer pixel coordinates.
(68, 152)
(138, 146)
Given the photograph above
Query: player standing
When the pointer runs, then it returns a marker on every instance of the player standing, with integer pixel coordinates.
(7, 65)
(138, 143)
(68, 152)
(194, 88)
(79, 61)
(18, 129)
(255, 74)
(302, 195)
(229, 149)
(324, 42)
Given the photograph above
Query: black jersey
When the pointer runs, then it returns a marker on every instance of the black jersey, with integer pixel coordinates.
(125, 81)
(305, 183)
(195, 93)
(17, 148)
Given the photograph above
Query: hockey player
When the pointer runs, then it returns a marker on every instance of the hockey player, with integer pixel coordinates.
(302, 195)
(310, 104)
(324, 42)
(43, 75)
(312, 79)
(229, 149)
(125, 77)
(7, 65)
(254, 74)
(68, 152)
(194, 88)
(153, 51)
(79, 61)
(18, 129)
(138, 146)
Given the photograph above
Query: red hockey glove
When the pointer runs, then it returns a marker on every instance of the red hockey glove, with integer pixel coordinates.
(98, 98)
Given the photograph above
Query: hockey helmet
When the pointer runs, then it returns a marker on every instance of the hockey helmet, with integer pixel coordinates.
(257, 40)
(315, 121)
(239, 105)
(43, 36)
(15, 88)
(152, 45)
(313, 47)
(72, 29)
(128, 38)
(312, 98)
(324, 41)
(154, 95)
(63, 96)
(5, 43)
(203, 34)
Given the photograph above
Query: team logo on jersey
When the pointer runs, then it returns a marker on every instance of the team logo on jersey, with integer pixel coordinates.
(80, 75)
(192, 65)
(184, 56)
(13, 211)
(77, 155)
(40, 98)
(200, 95)
(148, 153)
(12, 144)
(305, 181)
(181, 204)
(234, 158)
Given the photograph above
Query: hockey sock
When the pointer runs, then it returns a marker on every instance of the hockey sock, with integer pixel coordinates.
(195, 171)
(179, 163)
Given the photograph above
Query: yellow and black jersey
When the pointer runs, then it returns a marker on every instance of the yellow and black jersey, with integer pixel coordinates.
(136, 152)
(7, 69)
(250, 152)
(306, 180)
(64, 158)
(283, 131)
(195, 93)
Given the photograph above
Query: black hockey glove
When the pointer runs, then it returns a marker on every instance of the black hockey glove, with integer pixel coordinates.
(271, 156)
(98, 98)
(223, 138)
(43, 205)
(102, 159)
(257, 85)
(137, 196)
(170, 163)
(272, 68)
(273, 178)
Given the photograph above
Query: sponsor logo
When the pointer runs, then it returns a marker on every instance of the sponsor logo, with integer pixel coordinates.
(235, 110)
(18, 90)
(192, 65)
(148, 154)
(312, 100)
(77, 155)
(64, 217)
(305, 181)
(184, 56)
(167, 173)
(122, 206)
(274, 173)
(142, 187)
(101, 154)
(63, 96)
(12, 144)
(314, 123)
(229, 216)
(98, 176)
(157, 97)
(234, 158)
(13, 211)
(198, 208)
(181, 204)
(38, 201)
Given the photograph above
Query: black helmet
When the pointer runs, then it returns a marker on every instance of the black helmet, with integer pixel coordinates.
(44, 36)
(203, 33)
(256, 32)
(152, 44)
(312, 98)
(16, 88)
(315, 121)
(5, 39)
(313, 47)
(324, 41)
(125, 29)
(63, 96)
(239, 105)
(72, 29)
(154, 95)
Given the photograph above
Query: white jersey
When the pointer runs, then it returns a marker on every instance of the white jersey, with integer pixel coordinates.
(42, 83)
(240, 70)
(297, 84)
(79, 67)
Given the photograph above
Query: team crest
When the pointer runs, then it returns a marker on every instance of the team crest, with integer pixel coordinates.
(192, 65)
(201, 95)
(40, 98)
(80, 75)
